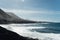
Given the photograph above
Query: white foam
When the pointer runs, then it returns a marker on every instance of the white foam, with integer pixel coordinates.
(24, 31)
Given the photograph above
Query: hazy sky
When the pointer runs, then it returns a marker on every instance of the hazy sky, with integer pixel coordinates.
(44, 10)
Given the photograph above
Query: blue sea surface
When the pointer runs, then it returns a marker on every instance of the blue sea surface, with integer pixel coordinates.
(49, 28)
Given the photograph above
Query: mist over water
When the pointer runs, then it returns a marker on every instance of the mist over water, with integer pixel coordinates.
(36, 30)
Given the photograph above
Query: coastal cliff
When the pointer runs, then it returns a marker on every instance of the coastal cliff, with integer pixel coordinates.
(8, 17)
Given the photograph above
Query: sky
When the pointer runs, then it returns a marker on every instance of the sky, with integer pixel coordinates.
(40, 10)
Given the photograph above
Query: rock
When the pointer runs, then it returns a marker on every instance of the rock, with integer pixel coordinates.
(8, 17)
(9, 35)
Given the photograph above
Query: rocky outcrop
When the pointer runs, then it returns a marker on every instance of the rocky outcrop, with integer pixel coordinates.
(8, 17)
(14, 18)
(9, 35)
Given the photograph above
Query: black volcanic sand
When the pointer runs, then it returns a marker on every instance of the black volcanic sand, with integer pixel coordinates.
(9, 35)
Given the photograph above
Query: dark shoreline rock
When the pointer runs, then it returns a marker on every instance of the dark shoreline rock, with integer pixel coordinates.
(9, 35)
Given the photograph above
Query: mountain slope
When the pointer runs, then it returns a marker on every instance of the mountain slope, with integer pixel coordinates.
(8, 17)
(3, 15)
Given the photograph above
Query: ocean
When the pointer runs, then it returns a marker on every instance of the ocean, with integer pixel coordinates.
(41, 31)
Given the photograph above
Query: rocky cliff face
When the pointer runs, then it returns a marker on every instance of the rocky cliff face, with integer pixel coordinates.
(8, 17)
(3, 15)
(14, 17)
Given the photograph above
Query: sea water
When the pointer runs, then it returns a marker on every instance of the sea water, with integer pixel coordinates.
(41, 31)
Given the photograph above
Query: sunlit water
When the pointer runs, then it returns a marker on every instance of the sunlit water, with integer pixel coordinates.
(36, 30)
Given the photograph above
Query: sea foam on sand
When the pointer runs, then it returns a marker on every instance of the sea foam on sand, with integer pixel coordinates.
(25, 31)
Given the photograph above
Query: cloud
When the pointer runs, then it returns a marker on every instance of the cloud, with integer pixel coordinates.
(42, 15)
(28, 11)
